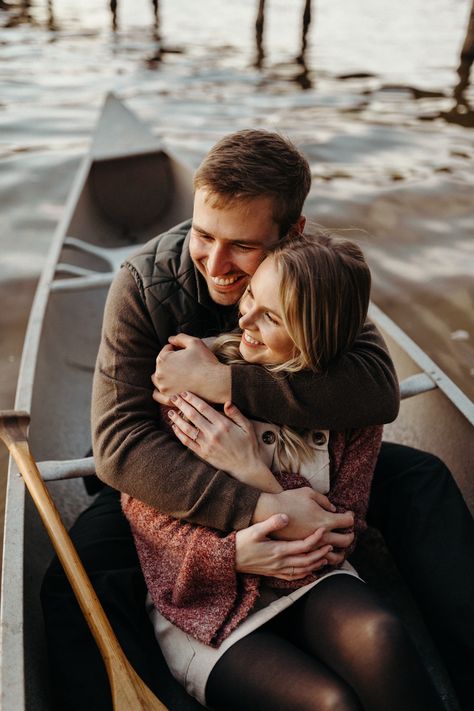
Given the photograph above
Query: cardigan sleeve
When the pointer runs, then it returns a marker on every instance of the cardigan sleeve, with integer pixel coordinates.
(190, 573)
(359, 390)
(353, 456)
(133, 451)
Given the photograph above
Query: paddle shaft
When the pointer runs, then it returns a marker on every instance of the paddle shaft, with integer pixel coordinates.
(128, 690)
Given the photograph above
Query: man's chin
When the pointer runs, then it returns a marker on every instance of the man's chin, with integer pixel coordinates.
(223, 297)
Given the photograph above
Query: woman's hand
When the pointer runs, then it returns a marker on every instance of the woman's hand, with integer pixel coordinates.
(258, 554)
(226, 441)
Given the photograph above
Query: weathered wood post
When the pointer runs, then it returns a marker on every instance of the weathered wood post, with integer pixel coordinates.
(259, 24)
(304, 32)
(113, 8)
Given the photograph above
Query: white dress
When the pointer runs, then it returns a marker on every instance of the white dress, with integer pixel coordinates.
(191, 661)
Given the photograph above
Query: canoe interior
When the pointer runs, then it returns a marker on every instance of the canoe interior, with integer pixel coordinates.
(120, 202)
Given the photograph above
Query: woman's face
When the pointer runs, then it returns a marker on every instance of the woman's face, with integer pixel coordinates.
(264, 339)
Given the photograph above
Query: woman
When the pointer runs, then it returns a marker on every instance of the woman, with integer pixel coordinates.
(311, 637)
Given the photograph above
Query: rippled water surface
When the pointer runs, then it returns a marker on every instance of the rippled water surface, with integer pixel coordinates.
(373, 108)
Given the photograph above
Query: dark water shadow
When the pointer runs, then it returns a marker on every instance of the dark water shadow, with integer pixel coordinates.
(21, 14)
(461, 112)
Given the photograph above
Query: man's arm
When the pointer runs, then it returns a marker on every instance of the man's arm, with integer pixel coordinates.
(360, 390)
(133, 452)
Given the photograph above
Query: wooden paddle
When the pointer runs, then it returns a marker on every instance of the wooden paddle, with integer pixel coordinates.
(129, 693)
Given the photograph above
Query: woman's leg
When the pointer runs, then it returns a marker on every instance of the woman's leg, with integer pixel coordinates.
(429, 531)
(349, 629)
(266, 671)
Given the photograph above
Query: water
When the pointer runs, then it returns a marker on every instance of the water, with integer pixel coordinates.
(372, 107)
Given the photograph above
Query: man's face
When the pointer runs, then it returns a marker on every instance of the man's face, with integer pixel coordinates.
(227, 244)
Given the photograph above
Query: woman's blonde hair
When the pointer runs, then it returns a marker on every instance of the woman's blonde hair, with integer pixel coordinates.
(324, 293)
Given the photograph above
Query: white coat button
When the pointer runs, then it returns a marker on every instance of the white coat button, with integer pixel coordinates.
(268, 437)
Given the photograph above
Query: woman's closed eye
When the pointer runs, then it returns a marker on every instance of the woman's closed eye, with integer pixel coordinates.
(270, 318)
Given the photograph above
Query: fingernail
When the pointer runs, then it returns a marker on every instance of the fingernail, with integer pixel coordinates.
(171, 414)
(174, 398)
(185, 394)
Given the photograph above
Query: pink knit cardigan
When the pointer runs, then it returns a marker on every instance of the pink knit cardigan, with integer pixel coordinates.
(190, 570)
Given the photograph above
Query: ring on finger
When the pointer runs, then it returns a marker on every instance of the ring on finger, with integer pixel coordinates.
(196, 435)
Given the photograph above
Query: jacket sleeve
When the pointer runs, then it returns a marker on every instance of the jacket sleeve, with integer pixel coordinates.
(353, 462)
(190, 573)
(360, 390)
(133, 451)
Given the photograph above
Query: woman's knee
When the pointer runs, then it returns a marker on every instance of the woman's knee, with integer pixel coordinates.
(332, 696)
(379, 635)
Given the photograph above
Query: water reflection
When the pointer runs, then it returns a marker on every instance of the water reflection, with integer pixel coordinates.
(303, 76)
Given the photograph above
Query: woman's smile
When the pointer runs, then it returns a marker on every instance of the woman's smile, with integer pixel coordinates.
(264, 339)
(250, 340)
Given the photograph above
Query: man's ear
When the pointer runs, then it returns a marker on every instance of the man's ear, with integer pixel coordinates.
(300, 225)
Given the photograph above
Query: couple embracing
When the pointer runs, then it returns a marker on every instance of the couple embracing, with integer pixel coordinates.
(247, 485)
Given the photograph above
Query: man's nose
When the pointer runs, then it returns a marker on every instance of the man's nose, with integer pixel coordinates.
(218, 260)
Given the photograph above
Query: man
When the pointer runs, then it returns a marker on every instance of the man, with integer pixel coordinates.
(250, 192)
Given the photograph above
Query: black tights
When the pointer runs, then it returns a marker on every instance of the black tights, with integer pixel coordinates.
(338, 648)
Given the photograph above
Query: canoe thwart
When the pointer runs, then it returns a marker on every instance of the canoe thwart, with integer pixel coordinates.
(67, 469)
(114, 256)
(83, 283)
(75, 468)
(416, 384)
(87, 278)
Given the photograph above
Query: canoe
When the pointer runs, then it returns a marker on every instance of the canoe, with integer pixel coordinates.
(128, 189)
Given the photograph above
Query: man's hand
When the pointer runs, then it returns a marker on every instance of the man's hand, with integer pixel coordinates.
(186, 363)
(307, 510)
(258, 554)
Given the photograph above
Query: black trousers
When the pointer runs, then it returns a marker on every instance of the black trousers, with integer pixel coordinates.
(416, 505)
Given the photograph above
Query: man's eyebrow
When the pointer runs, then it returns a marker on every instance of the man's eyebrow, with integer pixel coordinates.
(199, 229)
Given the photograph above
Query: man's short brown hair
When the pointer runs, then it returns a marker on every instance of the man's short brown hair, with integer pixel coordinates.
(255, 163)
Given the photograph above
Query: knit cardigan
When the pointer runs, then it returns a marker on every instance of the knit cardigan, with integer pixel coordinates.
(190, 569)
